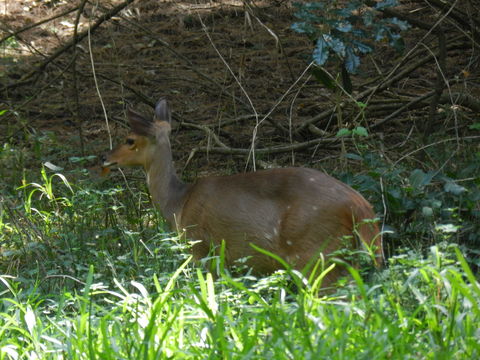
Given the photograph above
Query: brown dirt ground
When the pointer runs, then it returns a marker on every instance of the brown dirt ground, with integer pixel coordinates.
(156, 48)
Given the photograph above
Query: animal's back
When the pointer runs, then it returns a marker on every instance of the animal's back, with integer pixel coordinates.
(292, 212)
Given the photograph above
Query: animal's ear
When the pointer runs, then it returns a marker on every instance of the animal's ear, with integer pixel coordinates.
(162, 111)
(139, 124)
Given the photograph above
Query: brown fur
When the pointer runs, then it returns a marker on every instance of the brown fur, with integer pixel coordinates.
(295, 213)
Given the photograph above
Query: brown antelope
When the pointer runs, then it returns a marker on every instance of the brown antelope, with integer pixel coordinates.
(295, 213)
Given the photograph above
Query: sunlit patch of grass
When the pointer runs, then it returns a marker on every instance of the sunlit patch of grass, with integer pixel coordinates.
(189, 315)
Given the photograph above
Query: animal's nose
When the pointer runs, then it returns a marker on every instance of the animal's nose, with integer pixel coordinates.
(103, 158)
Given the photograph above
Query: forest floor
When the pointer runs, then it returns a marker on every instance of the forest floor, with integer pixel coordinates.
(220, 64)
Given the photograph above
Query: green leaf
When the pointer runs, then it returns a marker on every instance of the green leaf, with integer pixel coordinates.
(468, 271)
(352, 61)
(386, 4)
(51, 166)
(363, 48)
(402, 25)
(447, 228)
(427, 211)
(360, 131)
(475, 126)
(346, 81)
(454, 188)
(353, 156)
(397, 43)
(344, 26)
(320, 53)
(30, 319)
(323, 78)
(303, 28)
(419, 179)
(343, 132)
(337, 45)
(361, 105)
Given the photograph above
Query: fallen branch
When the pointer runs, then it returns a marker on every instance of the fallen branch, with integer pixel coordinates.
(209, 132)
(404, 108)
(464, 100)
(269, 150)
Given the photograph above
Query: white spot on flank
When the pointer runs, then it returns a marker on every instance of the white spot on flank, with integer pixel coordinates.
(268, 239)
(288, 207)
(289, 243)
(275, 231)
(312, 179)
(315, 207)
(297, 256)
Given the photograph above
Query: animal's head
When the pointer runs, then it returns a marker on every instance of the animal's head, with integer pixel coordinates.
(141, 143)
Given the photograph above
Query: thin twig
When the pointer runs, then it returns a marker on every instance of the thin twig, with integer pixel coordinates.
(254, 134)
(208, 131)
(440, 82)
(430, 145)
(275, 36)
(98, 90)
(270, 150)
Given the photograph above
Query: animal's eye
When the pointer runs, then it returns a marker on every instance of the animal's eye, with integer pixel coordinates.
(129, 141)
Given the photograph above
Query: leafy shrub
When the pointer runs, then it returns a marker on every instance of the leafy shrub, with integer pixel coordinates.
(347, 31)
(426, 206)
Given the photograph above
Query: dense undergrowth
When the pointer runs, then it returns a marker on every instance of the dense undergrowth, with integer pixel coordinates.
(88, 271)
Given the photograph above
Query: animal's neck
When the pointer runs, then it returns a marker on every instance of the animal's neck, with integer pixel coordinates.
(167, 190)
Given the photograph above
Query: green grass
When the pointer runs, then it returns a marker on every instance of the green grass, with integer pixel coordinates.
(88, 271)
(433, 315)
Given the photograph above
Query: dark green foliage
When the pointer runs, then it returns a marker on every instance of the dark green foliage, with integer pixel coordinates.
(429, 205)
(347, 31)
